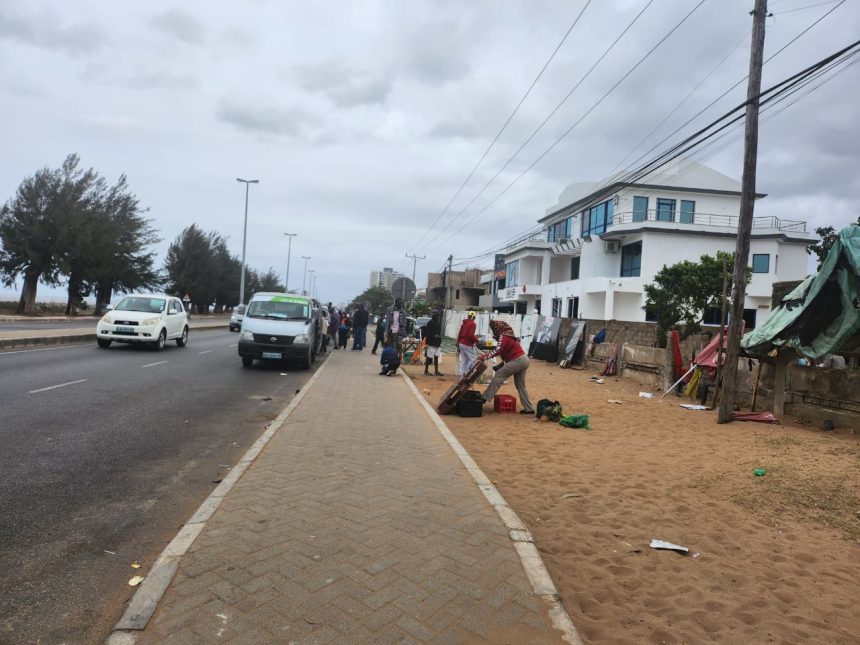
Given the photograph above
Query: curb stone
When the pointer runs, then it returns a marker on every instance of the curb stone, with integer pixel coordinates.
(145, 600)
(535, 569)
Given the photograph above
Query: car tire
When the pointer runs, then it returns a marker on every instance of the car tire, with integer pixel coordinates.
(307, 360)
(247, 361)
(162, 340)
(104, 343)
(182, 341)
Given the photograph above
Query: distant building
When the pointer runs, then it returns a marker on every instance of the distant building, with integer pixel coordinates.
(384, 278)
(463, 288)
(602, 243)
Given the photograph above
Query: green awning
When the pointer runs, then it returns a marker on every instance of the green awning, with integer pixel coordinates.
(822, 314)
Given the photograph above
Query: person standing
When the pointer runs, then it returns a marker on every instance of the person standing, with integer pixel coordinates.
(516, 364)
(396, 324)
(380, 334)
(466, 342)
(343, 331)
(324, 337)
(359, 327)
(432, 333)
(334, 325)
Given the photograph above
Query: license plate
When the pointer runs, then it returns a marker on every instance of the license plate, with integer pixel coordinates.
(271, 355)
(126, 329)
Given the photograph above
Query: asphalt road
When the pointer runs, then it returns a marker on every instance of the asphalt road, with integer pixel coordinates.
(105, 454)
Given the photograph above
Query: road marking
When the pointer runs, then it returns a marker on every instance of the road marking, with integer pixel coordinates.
(233, 345)
(54, 387)
(154, 364)
(44, 349)
(206, 352)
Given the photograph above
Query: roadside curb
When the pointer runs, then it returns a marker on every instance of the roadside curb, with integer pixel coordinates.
(533, 564)
(45, 341)
(145, 600)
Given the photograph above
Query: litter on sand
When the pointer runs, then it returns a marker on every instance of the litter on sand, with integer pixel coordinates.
(575, 421)
(111, 552)
(662, 544)
(691, 406)
(646, 395)
(136, 580)
(763, 417)
(616, 401)
(135, 565)
(759, 472)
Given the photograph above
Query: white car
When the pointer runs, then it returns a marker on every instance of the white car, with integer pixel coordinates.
(144, 318)
(237, 317)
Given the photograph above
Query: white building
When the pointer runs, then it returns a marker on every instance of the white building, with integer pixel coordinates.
(384, 278)
(604, 242)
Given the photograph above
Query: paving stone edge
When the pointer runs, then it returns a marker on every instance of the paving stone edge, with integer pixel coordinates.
(533, 564)
(145, 600)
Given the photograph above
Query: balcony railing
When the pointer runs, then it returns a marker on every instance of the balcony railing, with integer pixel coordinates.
(707, 219)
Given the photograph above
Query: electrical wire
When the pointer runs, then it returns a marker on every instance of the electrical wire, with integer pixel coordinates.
(504, 126)
(576, 123)
(546, 119)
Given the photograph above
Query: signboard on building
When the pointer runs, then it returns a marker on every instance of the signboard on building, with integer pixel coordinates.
(500, 266)
(509, 294)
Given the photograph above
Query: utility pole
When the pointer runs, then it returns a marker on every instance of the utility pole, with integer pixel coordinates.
(290, 236)
(415, 259)
(305, 273)
(447, 294)
(247, 183)
(742, 249)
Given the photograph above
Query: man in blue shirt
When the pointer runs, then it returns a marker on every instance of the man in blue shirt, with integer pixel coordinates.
(389, 360)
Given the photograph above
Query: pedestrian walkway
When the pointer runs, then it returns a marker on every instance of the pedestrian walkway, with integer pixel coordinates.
(356, 524)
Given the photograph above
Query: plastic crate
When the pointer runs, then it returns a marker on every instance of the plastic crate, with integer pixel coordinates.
(470, 404)
(504, 403)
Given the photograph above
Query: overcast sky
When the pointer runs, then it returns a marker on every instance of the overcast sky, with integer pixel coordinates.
(361, 119)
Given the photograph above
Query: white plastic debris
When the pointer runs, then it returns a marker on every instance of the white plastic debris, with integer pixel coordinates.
(662, 544)
(646, 395)
(691, 406)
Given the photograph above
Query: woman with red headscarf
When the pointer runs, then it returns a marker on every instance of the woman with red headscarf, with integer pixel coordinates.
(516, 364)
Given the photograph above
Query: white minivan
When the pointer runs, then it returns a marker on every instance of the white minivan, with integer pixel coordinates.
(278, 326)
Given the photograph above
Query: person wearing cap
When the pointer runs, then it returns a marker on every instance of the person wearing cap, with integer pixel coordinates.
(432, 331)
(466, 341)
(516, 364)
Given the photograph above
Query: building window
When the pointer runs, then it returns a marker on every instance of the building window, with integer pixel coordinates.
(573, 308)
(512, 273)
(631, 260)
(574, 267)
(712, 316)
(761, 263)
(597, 219)
(749, 319)
(559, 230)
(665, 210)
(556, 307)
(640, 209)
(651, 314)
(688, 208)
(458, 294)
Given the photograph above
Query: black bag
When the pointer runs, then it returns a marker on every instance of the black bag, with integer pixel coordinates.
(550, 409)
(470, 404)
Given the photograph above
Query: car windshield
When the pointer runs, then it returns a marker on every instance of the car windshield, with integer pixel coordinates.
(139, 303)
(280, 309)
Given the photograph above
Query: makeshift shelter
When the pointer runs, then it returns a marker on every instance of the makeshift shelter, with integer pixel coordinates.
(822, 314)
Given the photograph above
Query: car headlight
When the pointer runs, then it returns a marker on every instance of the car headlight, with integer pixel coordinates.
(106, 319)
(247, 335)
(301, 339)
(150, 321)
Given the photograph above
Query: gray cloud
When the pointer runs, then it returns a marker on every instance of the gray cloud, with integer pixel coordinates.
(180, 25)
(436, 53)
(261, 119)
(345, 86)
(45, 33)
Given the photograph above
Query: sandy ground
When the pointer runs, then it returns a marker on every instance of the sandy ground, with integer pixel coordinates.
(773, 559)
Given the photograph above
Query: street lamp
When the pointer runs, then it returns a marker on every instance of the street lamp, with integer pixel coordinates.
(289, 249)
(311, 276)
(305, 274)
(247, 182)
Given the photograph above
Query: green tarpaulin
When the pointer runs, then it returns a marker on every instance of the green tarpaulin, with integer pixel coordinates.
(822, 314)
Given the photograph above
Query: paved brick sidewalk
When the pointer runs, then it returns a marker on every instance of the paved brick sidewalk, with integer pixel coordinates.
(357, 524)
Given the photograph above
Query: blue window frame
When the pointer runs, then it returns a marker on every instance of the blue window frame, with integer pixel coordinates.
(559, 230)
(631, 260)
(512, 273)
(688, 208)
(640, 209)
(665, 210)
(761, 263)
(597, 219)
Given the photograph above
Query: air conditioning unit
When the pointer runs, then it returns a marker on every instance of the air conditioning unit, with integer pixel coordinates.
(611, 246)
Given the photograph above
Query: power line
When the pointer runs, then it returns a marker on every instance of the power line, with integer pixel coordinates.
(578, 121)
(546, 119)
(505, 124)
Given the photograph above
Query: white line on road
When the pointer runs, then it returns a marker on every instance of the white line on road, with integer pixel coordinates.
(43, 349)
(54, 387)
(206, 352)
(233, 345)
(154, 364)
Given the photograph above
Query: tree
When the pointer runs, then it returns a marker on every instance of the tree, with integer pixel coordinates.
(822, 247)
(269, 281)
(683, 292)
(188, 266)
(28, 231)
(375, 299)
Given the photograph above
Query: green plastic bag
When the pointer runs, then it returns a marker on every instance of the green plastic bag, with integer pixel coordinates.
(575, 421)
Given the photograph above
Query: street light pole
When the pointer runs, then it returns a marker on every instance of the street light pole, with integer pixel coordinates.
(305, 274)
(289, 250)
(311, 274)
(247, 182)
